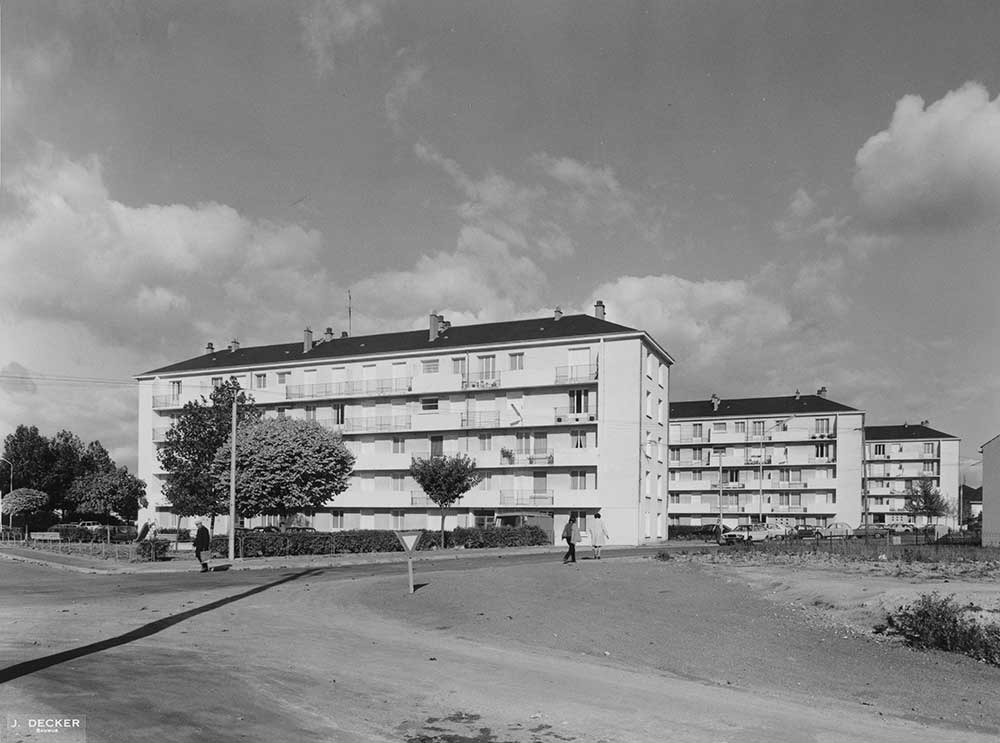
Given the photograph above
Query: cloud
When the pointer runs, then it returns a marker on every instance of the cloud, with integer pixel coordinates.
(410, 78)
(28, 72)
(328, 24)
(590, 193)
(933, 167)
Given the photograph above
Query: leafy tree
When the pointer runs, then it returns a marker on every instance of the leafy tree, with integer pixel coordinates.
(202, 427)
(924, 499)
(116, 491)
(67, 453)
(283, 466)
(24, 501)
(96, 459)
(445, 479)
(32, 456)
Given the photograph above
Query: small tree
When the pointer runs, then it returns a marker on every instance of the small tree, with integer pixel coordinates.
(445, 479)
(924, 499)
(24, 501)
(117, 491)
(191, 445)
(283, 466)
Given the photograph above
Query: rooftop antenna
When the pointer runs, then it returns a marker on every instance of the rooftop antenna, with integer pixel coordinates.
(349, 329)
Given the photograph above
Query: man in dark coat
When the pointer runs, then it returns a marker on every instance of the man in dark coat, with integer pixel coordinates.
(202, 543)
(572, 535)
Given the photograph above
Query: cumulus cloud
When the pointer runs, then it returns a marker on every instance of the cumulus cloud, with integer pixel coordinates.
(937, 166)
(410, 78)
(328, 24)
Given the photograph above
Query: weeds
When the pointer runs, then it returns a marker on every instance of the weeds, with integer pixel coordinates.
(934, 621)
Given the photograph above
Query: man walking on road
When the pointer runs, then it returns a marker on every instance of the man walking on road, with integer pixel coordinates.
(202, 545)
(572, 535)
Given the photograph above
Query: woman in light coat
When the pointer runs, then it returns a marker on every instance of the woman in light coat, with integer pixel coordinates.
(598, 535)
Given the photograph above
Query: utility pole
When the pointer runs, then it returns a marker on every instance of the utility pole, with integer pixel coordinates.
(11, 465)
(232, 486)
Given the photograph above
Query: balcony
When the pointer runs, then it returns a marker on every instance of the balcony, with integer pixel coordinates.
(788, 484)
(420, 498)
(567, 415)
(526, 498)
(356, 388)
(378, 424)
(167, 401)
(734, 486)
(822, 460)
(481, 420)
(333, 424)
(482, 380)
(546, 456)
(575, 374)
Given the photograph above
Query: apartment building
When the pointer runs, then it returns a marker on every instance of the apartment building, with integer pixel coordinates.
(897, 456)
(991, 492)
(792, 460)
(564, 415)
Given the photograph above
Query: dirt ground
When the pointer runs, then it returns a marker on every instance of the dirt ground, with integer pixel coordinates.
(626, 649)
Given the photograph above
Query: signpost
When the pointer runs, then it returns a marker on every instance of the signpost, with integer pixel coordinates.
(409, 541)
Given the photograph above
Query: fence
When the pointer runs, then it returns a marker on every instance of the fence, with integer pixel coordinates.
(961, 546)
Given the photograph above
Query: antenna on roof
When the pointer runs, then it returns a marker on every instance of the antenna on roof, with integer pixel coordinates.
(350, 330)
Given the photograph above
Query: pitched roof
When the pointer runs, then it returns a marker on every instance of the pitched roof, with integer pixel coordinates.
(905, 431)
(749, 406)
(568, 326)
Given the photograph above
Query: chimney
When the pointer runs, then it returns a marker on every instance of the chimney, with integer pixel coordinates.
(307, 340)
(558, 313)
(821, 391)
(599, 309)
(234, 345)
(343, 334)
(435, 326)
(925, 423)
(328, 335)
(797, 394)
(210, 348)
(715, 402)
(445, 324)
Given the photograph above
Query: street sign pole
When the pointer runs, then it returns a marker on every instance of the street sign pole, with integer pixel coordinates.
(409, 541)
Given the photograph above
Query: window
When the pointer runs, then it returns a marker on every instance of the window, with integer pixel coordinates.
(398, 481)
(675, 455)
(719, 427)
(581, 519)
(522, 443)
(649, 404)
(879, 450)
(396, 520)
(675, 499)
(337, 519)
(338, 414)
(516, 361)
(577, 480)
(485, 442)
(487, 482)
(430, 366)
(458, 366)
(650, 365)
(696, 431)
(310, 412)
(488, 367)
(428, 403)
(578, 439)
(175, 389)
(928, 448)
(398, 445)
(483, 519)
(259, 381)
(283, 377)
(282, 412)
(823, 425)
(216, 382)
(740, 427)
(822, 451)
(659, 411)
(929, 467)
(579, 401)
(663, 375)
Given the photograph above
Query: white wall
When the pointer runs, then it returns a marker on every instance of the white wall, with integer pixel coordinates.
(991, 493)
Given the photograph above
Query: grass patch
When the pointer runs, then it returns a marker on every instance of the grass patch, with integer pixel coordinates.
(939, 622)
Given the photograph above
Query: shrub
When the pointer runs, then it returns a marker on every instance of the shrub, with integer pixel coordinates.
(183, 535)
(145, 550)
(510, 536)
(934, 621)
(73, 533)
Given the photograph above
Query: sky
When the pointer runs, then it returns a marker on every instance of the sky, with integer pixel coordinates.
(786, 195)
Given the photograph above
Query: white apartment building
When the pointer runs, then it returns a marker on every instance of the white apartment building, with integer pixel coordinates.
(991, 492)
(897, 456)
(792, 460)
(564, 414)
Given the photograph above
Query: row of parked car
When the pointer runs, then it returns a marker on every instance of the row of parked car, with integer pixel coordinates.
(836, 530)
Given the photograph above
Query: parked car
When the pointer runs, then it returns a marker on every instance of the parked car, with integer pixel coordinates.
(877, 531)
(747, 533)
(836, 530)
(902, 527)
(711, 532)
(299, 530)
(92, 525)
(804, 532)
(266, 530)
(776, 531)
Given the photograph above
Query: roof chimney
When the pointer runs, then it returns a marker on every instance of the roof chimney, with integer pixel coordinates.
(343, 334)
(558, 313)
(307, 340)
(925, 423)
(715, 402)
(435, 326)
(599, 309)
(445, 324)
(821, 391)
(328, 335)
(797, 394)
(234, 345)
(210, 348)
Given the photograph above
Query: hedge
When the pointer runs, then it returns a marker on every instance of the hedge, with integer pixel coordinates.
(262, 544)
(144, 549)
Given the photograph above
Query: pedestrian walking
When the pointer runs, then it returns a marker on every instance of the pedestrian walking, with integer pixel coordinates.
(572, 535)
(598, 535)
(202, 545)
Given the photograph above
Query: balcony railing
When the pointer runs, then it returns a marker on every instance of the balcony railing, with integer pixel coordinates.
(333, 424)
(526, 498)
(567, 415)
(167, 401)
(377, 423)
(420, 498)
(733, 485)
(482, 380)
(546, 456)
(354, 388)
(576, 373)
(481, 420)
(783, 484)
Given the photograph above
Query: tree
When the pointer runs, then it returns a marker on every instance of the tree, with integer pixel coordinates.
(283, 466)
(24, 501)
(32, 456)
(117, 491)
(445, 479)
(67, 451)
(924, 499)
(202, 427)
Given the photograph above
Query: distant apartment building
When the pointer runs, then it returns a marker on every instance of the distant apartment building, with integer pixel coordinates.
(991, 492)
(564, 415)
(898, 456)
(792, 460)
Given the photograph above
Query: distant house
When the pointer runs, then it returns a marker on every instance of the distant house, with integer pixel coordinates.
(972, 502)
(991, 492)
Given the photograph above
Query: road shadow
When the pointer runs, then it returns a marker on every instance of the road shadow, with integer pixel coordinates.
(31, 666)
(418, 586)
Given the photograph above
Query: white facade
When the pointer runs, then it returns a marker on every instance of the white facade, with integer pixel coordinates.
(560, 426)
(898, 456)
(791, 460)
(991, 492)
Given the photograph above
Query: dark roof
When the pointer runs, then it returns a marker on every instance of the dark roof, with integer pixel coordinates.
(905, 431)
(567, 326)
(791, 405)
